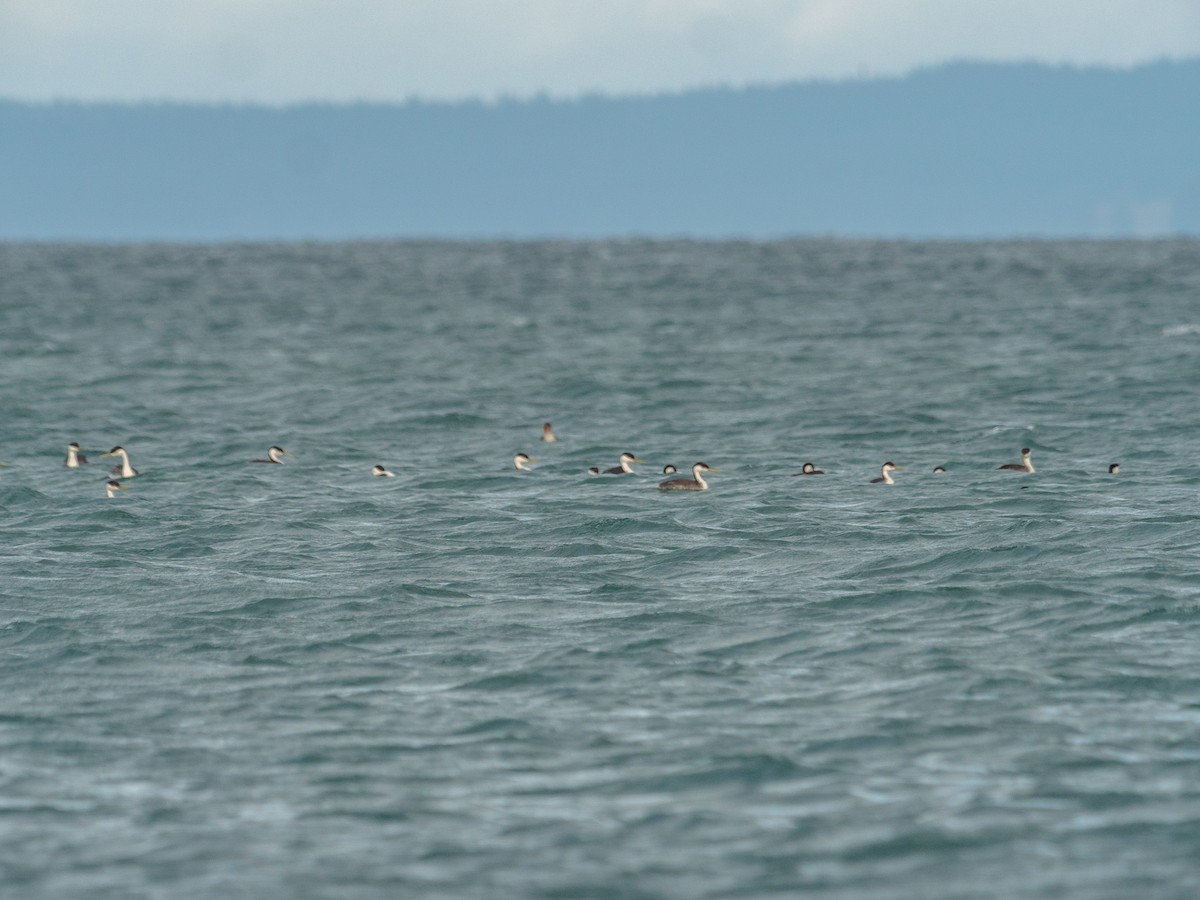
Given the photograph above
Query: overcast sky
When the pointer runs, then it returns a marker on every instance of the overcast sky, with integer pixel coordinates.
(287, 51)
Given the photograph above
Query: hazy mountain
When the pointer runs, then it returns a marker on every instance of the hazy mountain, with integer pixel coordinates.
(958, 151)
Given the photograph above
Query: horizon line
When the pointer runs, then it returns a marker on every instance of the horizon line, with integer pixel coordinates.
(592, 95)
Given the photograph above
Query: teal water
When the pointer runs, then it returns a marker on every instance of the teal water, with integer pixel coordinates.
(263, 681)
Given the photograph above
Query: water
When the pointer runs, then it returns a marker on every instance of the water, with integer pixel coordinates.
(249, 681)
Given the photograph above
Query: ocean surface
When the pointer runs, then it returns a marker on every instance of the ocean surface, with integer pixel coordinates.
(249, 681)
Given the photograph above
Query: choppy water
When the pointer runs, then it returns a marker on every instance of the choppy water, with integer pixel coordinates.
(266, 681)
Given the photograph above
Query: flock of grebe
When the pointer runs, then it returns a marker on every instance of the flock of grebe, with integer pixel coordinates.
(75, 459)
(697, 482)
(521, 461)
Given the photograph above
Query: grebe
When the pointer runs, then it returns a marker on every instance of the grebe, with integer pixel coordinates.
(124, 470)
(74, 459)
(808, 469)
(548, 434)
(695, 483)
(274, 455)
(669, 469)
(886, 471)
(382, 472)
(519, 462)
(114, 486)
(1025, 465)
(1114, 469)
(594, 470)
(624, 468)
(939, 470)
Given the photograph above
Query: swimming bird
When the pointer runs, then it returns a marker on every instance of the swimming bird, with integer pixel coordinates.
(519, 462)
(808, 469)
(124, 470)
(1114, 469)
(114, 486)
(624, 468)
(669, 469)
(939, 470)
(1025, 465)
(74, 459)
(382, 472)
(548, 434)
(594, 470)
(274, 455)
(886, 471)
(695, 483)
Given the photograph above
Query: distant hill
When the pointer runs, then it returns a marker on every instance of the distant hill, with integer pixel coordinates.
(963, 150)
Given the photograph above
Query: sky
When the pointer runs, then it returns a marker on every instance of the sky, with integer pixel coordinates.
(280, 52)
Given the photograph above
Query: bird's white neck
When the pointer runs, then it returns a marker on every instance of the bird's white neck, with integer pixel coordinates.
(126, 468)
